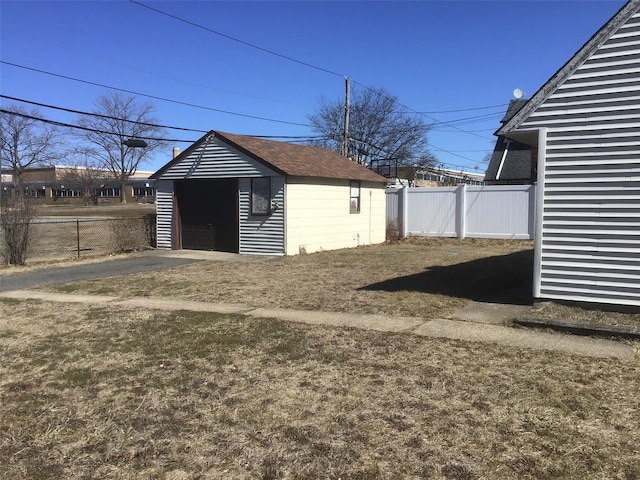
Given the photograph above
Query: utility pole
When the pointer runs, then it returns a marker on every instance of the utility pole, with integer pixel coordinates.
(345, 140)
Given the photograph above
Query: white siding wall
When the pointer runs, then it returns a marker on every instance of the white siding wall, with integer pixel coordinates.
(589, 247)
(318, 218)
(262, 235)
(164, 209)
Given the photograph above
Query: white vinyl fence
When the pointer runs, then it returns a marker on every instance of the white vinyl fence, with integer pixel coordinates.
(490, 211)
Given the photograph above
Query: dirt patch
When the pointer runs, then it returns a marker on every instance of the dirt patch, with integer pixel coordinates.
(132, 393)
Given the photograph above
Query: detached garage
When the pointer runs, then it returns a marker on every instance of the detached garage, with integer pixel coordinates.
(248, 195)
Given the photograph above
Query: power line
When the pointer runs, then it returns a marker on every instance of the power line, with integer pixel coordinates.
(474, 119)
(155, 97)
(266, 50)
(209, 108)
(203, 107)
(106, 132)
(100, 115)
(149, 72)
(306, 64)
(78, 127)
(297, 138)
(466, 109)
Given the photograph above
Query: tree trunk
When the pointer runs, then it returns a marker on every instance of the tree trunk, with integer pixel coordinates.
(123, 197)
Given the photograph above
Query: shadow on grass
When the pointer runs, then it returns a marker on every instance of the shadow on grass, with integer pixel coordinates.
(500, 279)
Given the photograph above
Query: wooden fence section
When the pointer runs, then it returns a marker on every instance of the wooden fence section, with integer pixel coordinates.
(490, 211)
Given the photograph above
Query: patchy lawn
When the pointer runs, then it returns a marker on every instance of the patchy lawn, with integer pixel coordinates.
(424, 277)
(96, 392)
(420, 277)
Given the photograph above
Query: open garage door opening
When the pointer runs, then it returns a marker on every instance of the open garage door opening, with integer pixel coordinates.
(208, 214)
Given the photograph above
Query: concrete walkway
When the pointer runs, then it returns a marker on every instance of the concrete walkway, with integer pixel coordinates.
(469, 324)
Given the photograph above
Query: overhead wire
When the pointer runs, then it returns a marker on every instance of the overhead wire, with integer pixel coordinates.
(99, 115)
(88, 129)
(292, 139)
(149, 72)
(68, 125)
(466, 109)
(271, 52)
(155, 97)
(453, 123)
(175, 101)
(210, 30)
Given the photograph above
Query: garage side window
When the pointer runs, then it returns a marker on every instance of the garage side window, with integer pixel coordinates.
(260, 196)
(355, 197)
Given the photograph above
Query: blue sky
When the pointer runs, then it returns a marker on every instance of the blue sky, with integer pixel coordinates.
(449, 59)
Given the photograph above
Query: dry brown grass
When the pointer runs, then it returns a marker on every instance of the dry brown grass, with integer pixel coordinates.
(422, 277)
(596, 314)
(90, 392)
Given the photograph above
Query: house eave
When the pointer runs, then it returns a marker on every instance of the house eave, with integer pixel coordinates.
(602, 35)
(526, 137)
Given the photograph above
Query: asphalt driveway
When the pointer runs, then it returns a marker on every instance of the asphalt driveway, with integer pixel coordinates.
(77, 273)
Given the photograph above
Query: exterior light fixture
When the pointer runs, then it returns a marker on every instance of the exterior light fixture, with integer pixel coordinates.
(135, 143)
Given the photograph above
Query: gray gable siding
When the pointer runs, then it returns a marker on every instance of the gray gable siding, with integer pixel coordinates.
(589, 245)
(164, 208)
(214, 159)
(262, 235)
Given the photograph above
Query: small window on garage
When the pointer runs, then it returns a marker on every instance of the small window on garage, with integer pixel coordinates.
(260, 196)
(355, 197)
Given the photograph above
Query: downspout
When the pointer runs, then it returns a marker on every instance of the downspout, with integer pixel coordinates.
(504, 156)
(285, 214)
(370, 207)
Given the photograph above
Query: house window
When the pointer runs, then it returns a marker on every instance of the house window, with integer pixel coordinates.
(261, 196)
(355, 197)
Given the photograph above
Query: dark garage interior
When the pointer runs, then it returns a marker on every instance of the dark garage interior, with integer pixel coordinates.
(208, 214)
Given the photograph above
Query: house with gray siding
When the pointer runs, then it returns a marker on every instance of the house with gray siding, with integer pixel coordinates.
(585, 125)
(250, 195)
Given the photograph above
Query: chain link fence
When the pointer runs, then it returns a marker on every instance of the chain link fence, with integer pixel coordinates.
(57, 240)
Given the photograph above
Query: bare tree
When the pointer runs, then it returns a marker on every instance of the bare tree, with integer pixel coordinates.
(424, 162)
(25, 142)
(83, 173)
(378, 129)
(116, 120)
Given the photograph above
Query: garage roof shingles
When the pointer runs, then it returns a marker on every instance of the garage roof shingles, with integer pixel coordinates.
(287, 158)
(301, 160)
